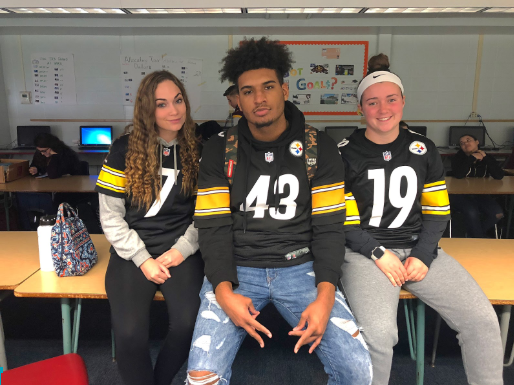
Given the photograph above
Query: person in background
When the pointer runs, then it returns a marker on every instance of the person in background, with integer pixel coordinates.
(233, 101)
(396, 212)
(147, 193)
(53, 158)
(481, 212)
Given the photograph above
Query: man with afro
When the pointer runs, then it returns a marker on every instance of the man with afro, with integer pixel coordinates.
(269, 231)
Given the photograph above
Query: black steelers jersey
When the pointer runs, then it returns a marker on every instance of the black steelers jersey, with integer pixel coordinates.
(271, 208)
(392, 188)
(168, 218)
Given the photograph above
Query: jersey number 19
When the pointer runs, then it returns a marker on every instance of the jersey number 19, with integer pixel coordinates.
(395, 198)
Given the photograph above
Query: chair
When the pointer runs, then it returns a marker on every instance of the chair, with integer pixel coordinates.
(68, 369)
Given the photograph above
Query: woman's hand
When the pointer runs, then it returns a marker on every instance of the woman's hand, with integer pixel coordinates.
(416, 269)
(155, 271)
(393, 268)
(33, 170)
(171, 258)
(479, 155)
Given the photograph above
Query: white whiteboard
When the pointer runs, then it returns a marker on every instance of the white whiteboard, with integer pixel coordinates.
(135, 67)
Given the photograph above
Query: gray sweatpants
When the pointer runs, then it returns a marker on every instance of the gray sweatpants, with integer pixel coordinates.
(449, 289)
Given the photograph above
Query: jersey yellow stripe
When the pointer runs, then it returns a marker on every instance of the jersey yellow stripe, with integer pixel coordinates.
(113, 169)
(327, 186)
(351, 208)
(328, 198)
(115, 180)
(434, 184)
(428, 212)
(212, 201)
(352, 223)
(212, 214)
(201, 190)
(328, 211)
(435, 198)
(111, 188)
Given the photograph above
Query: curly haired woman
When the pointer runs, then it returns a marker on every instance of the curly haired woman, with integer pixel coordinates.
(146, 191)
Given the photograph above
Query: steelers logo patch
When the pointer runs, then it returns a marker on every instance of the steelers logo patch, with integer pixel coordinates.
(296, 148)
(418, 148)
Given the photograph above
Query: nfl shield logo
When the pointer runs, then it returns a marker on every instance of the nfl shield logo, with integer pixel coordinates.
(269, 157)
(387, 155)
(166, 151)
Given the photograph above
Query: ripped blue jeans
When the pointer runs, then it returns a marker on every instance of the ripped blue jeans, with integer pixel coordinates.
(216, 339)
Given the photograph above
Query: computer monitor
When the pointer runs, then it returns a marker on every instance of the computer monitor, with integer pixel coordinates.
(27, 134)
(419, 129)
(338, 133)
(95, 136)
(456, 132)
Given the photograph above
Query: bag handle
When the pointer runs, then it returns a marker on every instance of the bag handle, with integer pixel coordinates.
(69, 210)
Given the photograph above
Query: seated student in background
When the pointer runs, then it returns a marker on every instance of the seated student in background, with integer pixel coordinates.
(53, 158)
(481, 212)
(233, 101)
(147, 194)
(396, 212)
(264, 239)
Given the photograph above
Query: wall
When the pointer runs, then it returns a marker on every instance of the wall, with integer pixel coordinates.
(438, 72)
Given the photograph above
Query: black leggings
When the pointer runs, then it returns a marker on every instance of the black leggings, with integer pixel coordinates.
(130, 296)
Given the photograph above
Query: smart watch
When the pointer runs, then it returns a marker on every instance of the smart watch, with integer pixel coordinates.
(378, 252)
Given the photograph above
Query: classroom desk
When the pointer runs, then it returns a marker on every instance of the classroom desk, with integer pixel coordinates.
(92, 286)
(503, 152)
(64, 184)
(491, 263)
(489, 186)
(17, 263)
(495, 276)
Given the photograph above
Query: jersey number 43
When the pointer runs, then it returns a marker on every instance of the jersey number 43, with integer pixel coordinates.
(259, 195)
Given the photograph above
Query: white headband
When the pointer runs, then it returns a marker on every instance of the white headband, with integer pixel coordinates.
(378, 77)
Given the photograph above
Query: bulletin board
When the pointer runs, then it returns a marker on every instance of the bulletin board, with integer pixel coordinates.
(325, 75)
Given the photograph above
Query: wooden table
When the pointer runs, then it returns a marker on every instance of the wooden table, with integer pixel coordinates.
(491, 263)
(489, 186)
(91, 285)
(18, 261)
(64, 184)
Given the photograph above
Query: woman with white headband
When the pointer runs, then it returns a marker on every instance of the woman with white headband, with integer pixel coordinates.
(396, 211)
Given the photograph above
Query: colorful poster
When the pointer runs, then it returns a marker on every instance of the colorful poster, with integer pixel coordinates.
(325, 76)
(135, 67)
(53, 76)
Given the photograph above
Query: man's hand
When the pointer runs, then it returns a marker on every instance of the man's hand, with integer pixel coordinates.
(171, 258)
(33, 170)
(315, 317)
(416, 269)
(241, 311)
(392, 267)
(155, 271)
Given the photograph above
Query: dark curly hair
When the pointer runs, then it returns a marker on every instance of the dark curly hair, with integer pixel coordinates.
(256, 54)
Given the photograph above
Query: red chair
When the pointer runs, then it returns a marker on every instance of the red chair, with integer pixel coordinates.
(68, 369)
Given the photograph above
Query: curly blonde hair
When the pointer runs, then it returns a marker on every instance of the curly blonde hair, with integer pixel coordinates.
(142, 161)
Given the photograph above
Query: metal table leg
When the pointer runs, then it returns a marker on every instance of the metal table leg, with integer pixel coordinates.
(66, 325)
(420, 353)
(416, 337)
